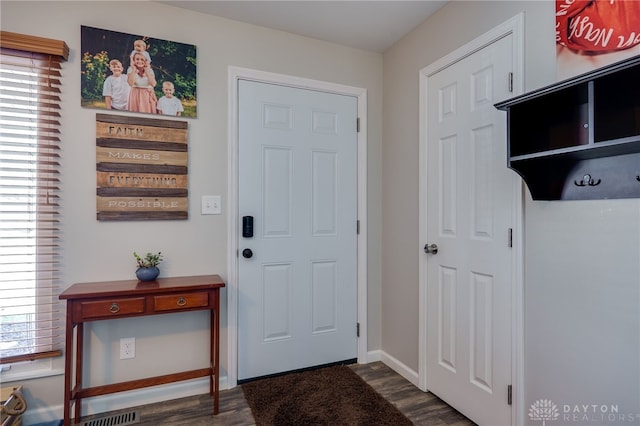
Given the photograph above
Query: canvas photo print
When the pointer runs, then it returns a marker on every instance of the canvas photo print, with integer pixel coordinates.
(137, 73)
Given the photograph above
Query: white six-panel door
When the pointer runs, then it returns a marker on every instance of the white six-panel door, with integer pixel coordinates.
(297, 178)
(469, 195)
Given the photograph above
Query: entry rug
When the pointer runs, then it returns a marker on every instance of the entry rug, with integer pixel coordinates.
(327, 396)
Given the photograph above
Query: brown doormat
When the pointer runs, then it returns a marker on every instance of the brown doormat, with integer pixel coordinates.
(327, 396)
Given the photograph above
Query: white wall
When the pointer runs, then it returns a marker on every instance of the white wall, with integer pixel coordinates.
(97, 251)
(582, 259)
(582, 306)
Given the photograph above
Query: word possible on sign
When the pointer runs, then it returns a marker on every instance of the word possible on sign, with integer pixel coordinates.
(141, 166)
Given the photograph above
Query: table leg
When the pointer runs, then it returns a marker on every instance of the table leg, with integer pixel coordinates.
(215, 357)
(68, 356)
(216, 404)
(78, 382)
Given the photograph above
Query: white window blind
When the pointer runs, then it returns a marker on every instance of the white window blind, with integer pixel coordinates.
(31, 324)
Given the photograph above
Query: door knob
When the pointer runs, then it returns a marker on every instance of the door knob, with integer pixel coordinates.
(431, 249)
(247, 253)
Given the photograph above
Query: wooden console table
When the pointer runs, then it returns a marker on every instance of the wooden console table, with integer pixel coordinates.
(131, 298)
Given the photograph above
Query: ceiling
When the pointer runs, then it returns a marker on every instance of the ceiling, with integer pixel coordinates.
(370, 25)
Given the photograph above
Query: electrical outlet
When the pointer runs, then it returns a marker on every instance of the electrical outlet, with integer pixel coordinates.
(127, 348)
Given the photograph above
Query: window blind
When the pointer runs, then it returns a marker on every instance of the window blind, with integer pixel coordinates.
(31, 324)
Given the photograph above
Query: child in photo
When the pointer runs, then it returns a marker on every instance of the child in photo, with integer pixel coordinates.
(116, 88)
(139, 46)
(168, 104)
(142, 97)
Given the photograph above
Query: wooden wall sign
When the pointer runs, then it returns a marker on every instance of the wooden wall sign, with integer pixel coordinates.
(141, 166)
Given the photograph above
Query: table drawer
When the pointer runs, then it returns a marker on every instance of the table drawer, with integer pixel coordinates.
(174, 302)
(112, 307)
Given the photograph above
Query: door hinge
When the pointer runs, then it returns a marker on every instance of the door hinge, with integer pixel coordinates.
(509, 394)
(510, 82)
(358, 125)
(357, 329)
(357, 227)
(510, 237)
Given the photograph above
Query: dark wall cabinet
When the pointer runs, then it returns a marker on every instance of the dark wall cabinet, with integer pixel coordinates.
(579, 139)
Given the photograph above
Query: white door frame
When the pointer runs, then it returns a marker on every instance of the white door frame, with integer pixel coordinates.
(235, 74)
(515, 27)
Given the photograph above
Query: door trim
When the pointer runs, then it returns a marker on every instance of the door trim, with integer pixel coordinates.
(234, 75)
(514, 27)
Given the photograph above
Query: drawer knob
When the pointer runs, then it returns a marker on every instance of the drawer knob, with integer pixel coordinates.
(182, 301)
(114, 309)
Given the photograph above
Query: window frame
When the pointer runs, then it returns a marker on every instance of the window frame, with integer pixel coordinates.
(38, 50)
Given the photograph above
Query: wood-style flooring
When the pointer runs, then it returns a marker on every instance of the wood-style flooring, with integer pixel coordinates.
(420, 407)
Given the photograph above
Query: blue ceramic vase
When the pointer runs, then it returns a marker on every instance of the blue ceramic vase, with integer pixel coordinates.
(147, 274)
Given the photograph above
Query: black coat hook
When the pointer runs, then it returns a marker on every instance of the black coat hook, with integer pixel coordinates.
(638, 178)
(587, 180)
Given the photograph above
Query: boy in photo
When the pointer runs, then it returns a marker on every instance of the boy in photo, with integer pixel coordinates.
(115, 88)
(168, 104)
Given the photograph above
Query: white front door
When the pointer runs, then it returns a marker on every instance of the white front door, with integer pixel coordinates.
(297, 179)
(469, 212)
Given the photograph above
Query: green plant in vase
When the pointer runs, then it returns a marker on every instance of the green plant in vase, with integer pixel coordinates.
(148, 266)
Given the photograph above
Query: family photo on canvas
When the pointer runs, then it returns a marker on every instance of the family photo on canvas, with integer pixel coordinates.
(127, 72)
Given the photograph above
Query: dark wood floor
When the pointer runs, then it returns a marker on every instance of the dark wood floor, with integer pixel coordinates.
(422, 408)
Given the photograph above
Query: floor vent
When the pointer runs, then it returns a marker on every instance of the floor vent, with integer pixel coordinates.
(121, 419)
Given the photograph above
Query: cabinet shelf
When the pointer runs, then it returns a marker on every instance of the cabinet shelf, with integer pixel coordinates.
(608, 148)
(579, 138)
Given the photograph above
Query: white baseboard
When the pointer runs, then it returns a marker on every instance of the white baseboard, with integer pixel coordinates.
(122, 400)
(373, 356)
(400, 368)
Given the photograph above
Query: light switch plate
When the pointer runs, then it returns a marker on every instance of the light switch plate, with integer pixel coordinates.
(211, 204)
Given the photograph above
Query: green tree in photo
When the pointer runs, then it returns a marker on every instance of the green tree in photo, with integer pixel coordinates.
(181, 73)
(95, 69)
